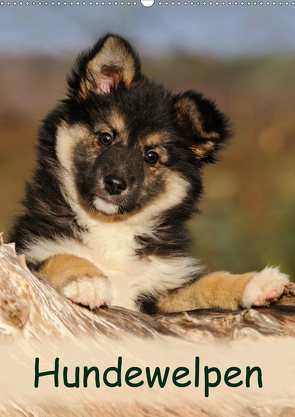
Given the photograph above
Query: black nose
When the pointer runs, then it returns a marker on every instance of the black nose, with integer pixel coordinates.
(114, 185)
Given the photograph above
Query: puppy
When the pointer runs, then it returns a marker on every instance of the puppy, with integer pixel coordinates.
(119, 173)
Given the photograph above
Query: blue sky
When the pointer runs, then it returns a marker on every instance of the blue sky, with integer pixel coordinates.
(222, 31)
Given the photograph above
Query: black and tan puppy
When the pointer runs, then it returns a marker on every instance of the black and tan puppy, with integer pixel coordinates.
(119, 173)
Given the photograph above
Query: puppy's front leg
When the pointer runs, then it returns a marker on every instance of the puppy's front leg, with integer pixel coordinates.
(78, 279)
(223, 290)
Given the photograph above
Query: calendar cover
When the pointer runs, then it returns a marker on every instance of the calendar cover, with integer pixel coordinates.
(147, 200)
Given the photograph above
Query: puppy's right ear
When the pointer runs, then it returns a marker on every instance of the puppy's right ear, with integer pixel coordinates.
(111, 61)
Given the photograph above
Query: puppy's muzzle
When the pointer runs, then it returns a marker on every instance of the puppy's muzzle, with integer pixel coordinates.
(114, 185)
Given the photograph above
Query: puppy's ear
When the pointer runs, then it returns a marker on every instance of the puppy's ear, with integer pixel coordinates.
(204, 127)
(112, 60)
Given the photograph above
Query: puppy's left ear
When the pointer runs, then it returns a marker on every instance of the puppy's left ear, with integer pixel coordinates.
(111, 61)
(203, 126)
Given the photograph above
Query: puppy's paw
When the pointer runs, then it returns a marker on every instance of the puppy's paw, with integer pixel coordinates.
(264, 287)
(89, 291)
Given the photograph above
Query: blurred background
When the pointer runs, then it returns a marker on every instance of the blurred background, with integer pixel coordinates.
(242, 56)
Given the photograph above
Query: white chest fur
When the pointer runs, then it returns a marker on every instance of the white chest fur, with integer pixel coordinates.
(111, 247)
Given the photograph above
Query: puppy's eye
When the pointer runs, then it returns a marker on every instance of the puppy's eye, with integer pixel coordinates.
(105, 139)
(151, 157)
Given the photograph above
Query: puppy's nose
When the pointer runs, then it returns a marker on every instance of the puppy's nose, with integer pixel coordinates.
(114, 185)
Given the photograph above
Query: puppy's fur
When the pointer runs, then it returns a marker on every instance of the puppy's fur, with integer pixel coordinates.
(119, 172)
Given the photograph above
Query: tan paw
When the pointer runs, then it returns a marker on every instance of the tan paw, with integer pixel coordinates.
(89, 291)
(264, 287)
